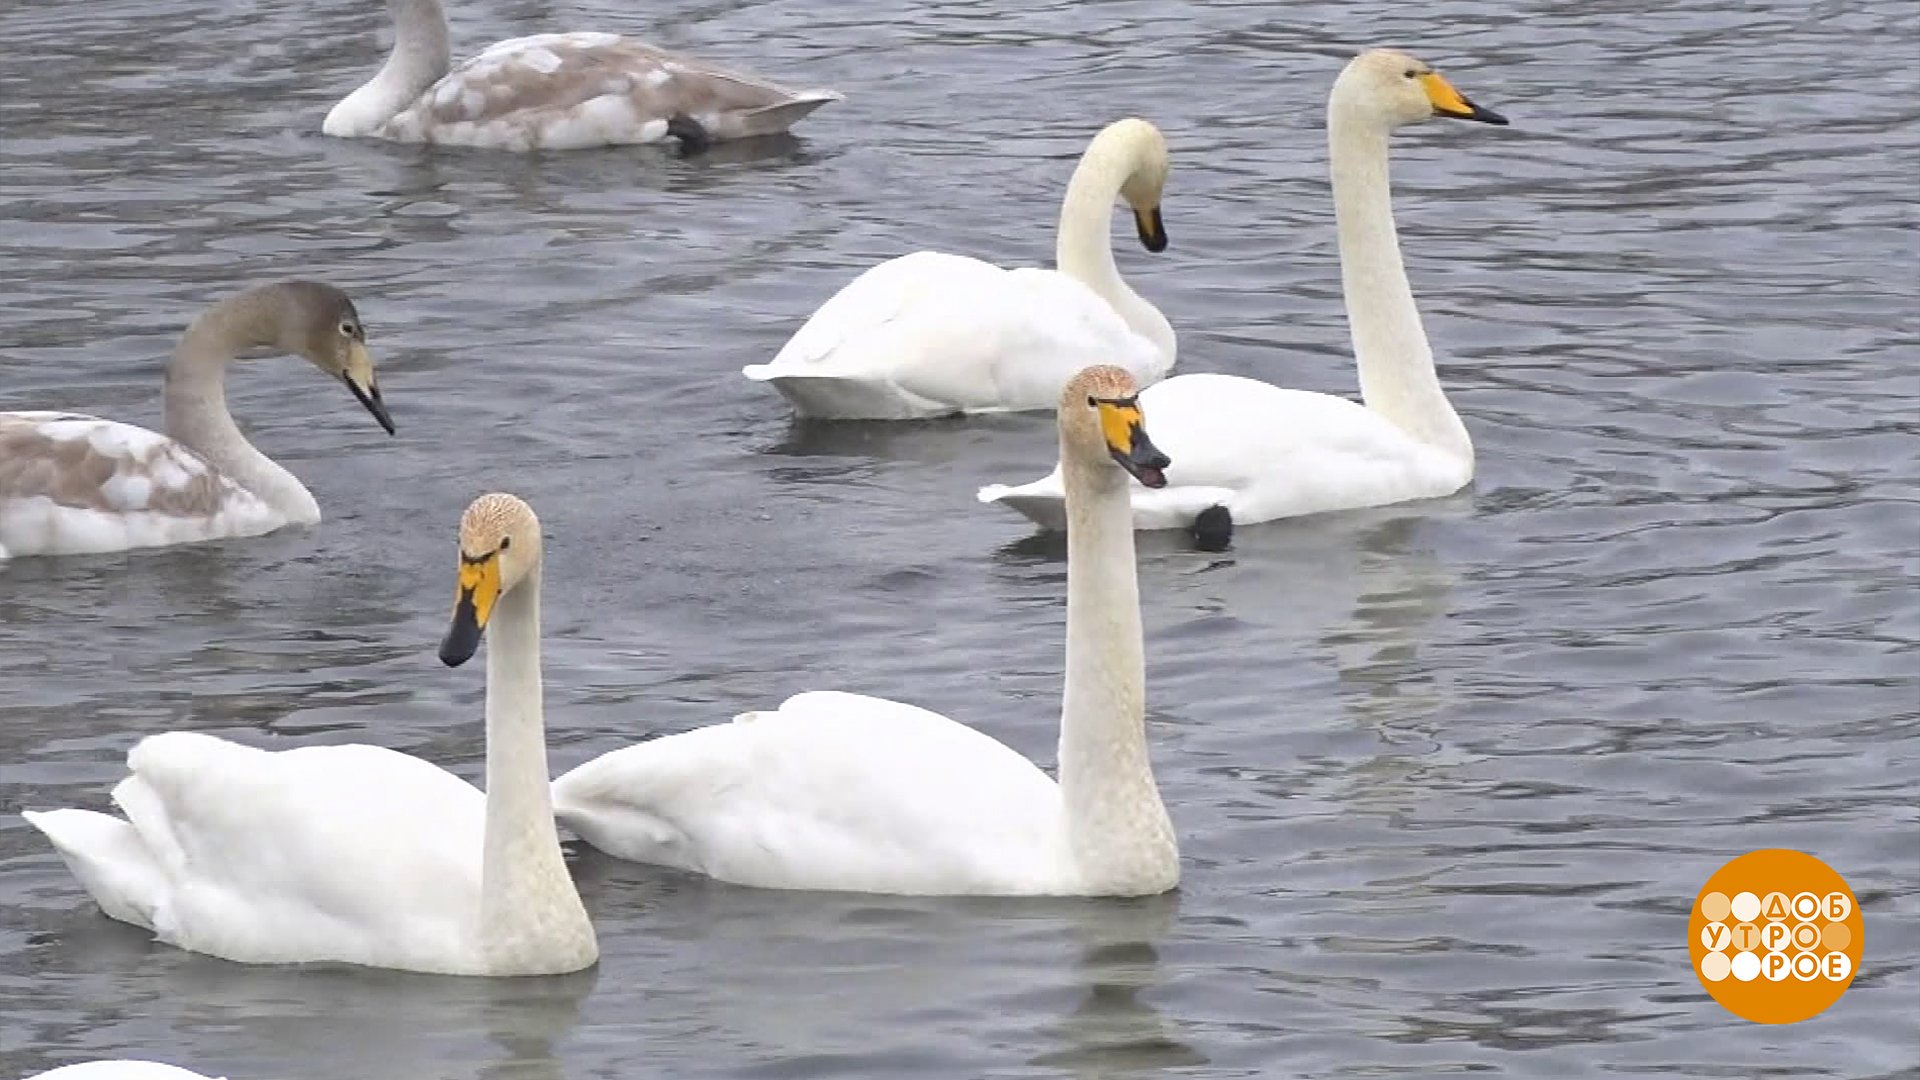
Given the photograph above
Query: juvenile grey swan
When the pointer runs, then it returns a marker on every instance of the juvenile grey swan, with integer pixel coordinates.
(74, 484)
(556, 92)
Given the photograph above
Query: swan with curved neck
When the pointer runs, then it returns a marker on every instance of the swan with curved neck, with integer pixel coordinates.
(358, 854)
(932, 334)
(841, 791)
(72, 483)
(556, 92)
(1249, 451)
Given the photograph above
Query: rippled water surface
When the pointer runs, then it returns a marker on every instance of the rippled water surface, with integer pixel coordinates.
(1447, 776)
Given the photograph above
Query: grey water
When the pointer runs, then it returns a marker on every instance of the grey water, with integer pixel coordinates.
(1447, 776)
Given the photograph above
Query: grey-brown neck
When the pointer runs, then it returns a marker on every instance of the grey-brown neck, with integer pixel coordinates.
(195, 400)
(1397, 377)
(1117, 826)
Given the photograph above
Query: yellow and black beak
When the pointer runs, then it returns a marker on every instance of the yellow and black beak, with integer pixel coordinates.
(1453, 104)
(1152, 230)
(1126, 433)
(472, 607)
(359, 379)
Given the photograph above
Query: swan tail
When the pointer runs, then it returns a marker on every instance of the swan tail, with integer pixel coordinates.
(1046, 509)
(109, 857)
(605, 802)
(842, 397)
(778, 117)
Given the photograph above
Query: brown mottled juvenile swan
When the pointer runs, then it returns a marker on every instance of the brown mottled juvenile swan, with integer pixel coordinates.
(556, 92)
(73, 484)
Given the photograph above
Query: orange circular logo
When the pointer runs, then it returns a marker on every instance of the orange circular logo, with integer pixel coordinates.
(1775, 936)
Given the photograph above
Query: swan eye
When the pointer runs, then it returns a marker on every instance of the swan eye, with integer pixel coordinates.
(1092, 402)
(506, 542)
(1412, 74)
(346, 328)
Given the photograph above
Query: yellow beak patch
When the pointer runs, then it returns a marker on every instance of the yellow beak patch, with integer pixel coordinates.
(1444, 97)
(479, 586)
(1118, 420)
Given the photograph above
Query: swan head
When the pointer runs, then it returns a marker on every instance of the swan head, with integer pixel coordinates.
(1136, 149)
(1102, 425)
(319, 322)
(1393, 89)
(499, 549)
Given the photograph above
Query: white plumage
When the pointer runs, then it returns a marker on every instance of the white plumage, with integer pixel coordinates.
(831, 790)
(1263, 452)
(1260, 452)
(933, 334)
(356, 854)
(840, 791)
(120, 1070)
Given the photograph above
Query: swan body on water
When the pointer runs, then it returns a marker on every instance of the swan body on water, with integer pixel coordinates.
(120, 1070)
(931, 334)
(77, 484)
(838, 791)
(556, 92)
(358, 854)
(1246, 451)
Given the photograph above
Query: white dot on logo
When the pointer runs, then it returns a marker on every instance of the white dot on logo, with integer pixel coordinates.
(1746, 907)
(1806, 966)
(1838, 907)
(1836, 967)
(1714, 966)
(1806, 906)
(1776, 967)
(1746, 966)
(1774, 936)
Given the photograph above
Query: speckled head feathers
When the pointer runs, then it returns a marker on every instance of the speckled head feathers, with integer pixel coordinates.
(494, 520)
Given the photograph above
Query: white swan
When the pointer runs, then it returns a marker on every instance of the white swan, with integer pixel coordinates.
(120, 1070)
(930, 334)
(846, 792)
(1248, 451)
(556, 92)
(73, 484)
(358, 854)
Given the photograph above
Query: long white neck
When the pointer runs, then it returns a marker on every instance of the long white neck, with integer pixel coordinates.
(531, 918)
(195, 410)
(1083, 247)
(1117, 826)
(420, 57)
(1397, 378)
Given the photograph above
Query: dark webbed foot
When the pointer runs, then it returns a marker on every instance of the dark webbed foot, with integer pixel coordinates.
(1213, 529)
(691, 133)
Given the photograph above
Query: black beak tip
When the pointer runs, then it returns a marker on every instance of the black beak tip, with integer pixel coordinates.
(371, 400)
(1153, 231)
(1479, 114)
(462, 640)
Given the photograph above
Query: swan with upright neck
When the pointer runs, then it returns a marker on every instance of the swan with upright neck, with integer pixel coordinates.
(838, 791)
(358, 854)
(1248, 451)
(76, 484)
(932, 334)
(556, 92)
